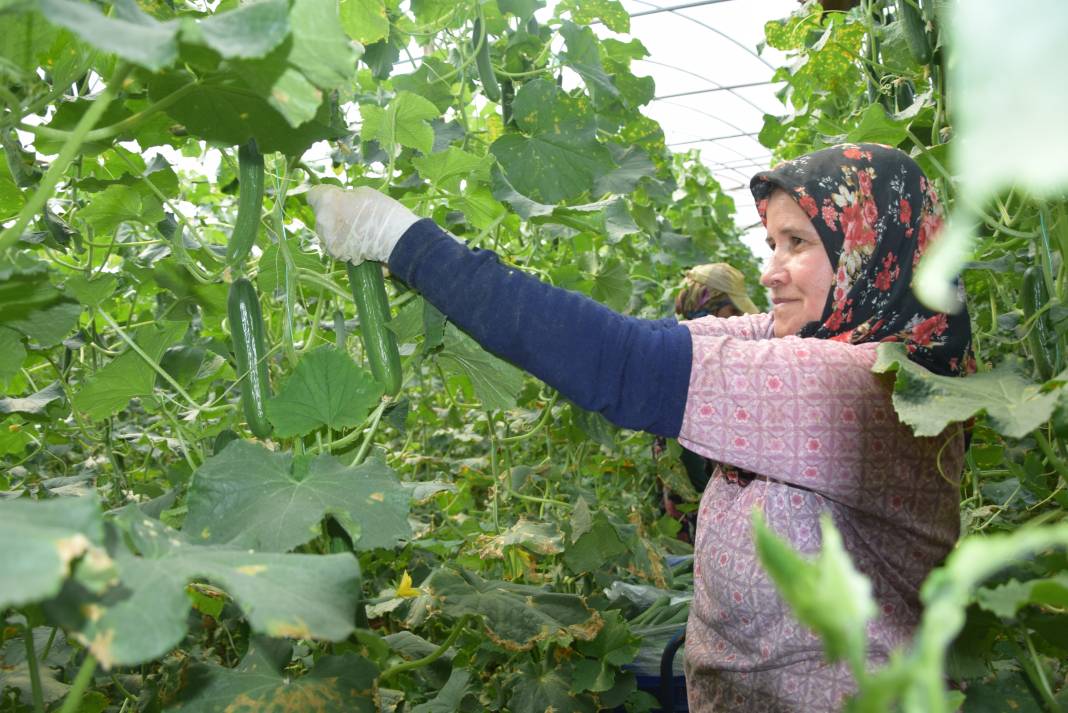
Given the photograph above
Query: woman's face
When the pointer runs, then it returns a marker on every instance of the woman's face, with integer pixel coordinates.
(799, 273)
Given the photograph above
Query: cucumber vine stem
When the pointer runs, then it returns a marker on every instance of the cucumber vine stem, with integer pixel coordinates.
(73, 701)
(148, 360)
(432, 656)
(35, 671)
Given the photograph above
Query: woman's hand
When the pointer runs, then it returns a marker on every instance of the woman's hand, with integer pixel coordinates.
(361, 224)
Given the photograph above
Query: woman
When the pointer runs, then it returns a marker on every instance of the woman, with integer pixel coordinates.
(785, 402)
(716, 289)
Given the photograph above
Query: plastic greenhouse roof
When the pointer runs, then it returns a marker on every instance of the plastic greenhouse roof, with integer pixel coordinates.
(712, 88)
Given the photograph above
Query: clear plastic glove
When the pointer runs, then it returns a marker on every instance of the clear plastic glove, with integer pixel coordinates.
(360, 224)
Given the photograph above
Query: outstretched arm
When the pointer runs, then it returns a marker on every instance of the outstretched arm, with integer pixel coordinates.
(634, 372)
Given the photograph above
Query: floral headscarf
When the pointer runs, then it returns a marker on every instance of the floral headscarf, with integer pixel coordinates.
(876, 213)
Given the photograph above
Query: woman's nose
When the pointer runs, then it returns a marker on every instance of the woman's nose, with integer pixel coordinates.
(774, 275)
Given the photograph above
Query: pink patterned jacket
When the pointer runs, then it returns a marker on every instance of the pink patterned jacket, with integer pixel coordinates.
(818, 429)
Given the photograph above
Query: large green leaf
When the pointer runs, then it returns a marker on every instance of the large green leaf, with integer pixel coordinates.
(12, 353)
(612, 285)
(452, 164)
(538, 689)
(1008, 598)
(128, 375)
(127, 31)
(584, 57)
(91, 292)
(826, 593)
(222, 107)
(557, 157)
(35, 404)
(403, 122)
(49, 325)
(586, 12)
(316, 58)
(146, 614)
(11, 198)
(451, 696)
(876, 126)
(118, 204)
(25, 38)
(247, 31)
(495, 381)
(16, 668)
(929, 402)
(335, 684)
(326, 389)
(516, 616)
(42, 541)
(364, 20)
(250, 497)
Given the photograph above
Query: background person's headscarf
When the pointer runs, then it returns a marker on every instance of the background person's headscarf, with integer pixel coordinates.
(708, 288)
(876, 214)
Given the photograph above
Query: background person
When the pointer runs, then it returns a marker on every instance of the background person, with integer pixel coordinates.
(713, 289)
(785, 402)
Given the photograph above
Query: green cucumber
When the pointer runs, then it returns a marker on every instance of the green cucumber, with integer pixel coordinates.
(372, 306)
(250, 173)
(908, 13)
(246, 333)
(1046, 348)
(490, 87)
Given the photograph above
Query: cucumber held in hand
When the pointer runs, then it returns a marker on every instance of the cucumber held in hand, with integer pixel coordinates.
(372, 306)
(249, 203)
(246, 332)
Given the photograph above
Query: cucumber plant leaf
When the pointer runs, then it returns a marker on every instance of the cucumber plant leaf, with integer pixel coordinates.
(929, 402)
(12, 353)
(335, 684)
(35, 404)
(402, 122)
(364, 20)
(247, 496)
(247, 31)
(557, 157)
(538, 689)
(585, 12)
(128, 375)
(451, 696)
(45, 543)
(222, 107)
(516, 616)
(1008, 598)
(127, 31)
(496, 383)
(583, 56)
(326, 389)
(146, 614)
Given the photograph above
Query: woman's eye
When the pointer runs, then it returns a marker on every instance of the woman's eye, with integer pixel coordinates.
(796, 241)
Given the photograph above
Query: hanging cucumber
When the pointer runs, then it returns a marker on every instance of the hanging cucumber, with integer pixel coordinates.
(369, 292)
(250, 174)
(908, 13)
(490, 87)
(246, 332)
(1045, 345)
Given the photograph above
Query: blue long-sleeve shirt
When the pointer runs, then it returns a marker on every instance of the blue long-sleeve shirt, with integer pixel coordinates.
(634, 372)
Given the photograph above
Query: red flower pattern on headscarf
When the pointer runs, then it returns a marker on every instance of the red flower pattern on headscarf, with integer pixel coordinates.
(860, 188)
